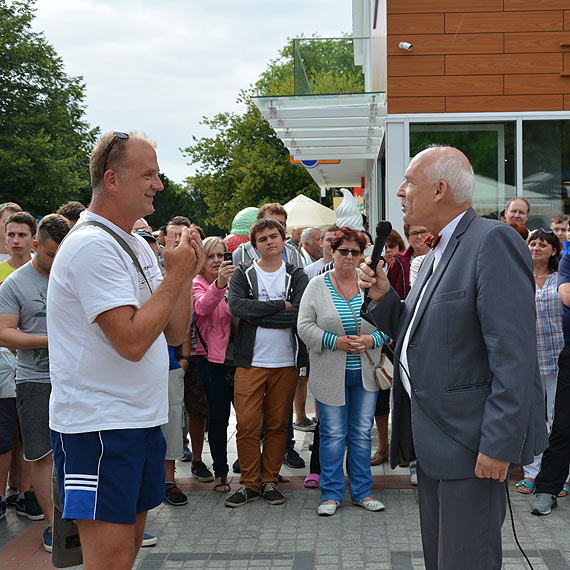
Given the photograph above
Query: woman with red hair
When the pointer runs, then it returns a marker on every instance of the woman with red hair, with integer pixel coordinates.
(343, 352)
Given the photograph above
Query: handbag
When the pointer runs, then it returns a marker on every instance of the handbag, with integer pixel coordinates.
(384, 370)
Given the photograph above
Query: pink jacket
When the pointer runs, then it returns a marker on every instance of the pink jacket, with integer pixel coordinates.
(212, 317)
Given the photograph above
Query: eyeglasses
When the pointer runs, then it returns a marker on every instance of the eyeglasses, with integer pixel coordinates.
(546, 231)
(354, 252)
(116, 135)
(421, 233)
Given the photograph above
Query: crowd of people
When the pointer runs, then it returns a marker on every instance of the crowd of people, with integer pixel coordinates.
(122, 345)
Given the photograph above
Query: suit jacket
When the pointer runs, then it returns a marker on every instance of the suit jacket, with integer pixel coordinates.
(471, 355)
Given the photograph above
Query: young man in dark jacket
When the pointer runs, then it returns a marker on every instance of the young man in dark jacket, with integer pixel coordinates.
(265, 294)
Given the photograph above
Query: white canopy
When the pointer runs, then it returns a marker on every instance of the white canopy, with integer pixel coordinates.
(305, 212)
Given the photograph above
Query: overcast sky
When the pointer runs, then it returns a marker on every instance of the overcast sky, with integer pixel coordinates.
(159, 67)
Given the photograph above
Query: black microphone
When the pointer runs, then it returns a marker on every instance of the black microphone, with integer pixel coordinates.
(383, 230)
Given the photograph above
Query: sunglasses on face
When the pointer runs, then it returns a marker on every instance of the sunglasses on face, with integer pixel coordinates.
(344, 252)
(116, 135)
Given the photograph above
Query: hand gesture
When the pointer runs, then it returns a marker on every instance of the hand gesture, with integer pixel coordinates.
(185, 260)
(224, 273)
(343, 343)
(376, 282)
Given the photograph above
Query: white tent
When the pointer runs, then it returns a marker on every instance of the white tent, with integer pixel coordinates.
(305, 212)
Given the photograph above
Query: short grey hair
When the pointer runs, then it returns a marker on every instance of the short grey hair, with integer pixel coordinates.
(452, 168)
(306, 234)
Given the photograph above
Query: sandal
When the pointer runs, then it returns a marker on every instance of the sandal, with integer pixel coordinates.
(565, 490)
(378, 458)
(223, 483)
(312, 481)
(525, 486)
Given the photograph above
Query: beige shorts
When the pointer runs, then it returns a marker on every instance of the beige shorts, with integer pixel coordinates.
(174, 430)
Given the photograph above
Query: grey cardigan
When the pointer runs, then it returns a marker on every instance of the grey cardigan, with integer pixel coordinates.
(317, 315)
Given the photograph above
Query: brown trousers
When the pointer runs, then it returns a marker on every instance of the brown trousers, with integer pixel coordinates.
(260, 392)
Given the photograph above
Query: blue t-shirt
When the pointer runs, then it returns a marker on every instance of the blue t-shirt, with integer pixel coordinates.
(564, 277)
(173, 364)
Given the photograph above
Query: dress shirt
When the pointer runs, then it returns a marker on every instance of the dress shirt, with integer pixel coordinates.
(438, 250)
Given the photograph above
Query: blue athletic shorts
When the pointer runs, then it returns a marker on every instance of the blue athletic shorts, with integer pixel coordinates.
(109, 475)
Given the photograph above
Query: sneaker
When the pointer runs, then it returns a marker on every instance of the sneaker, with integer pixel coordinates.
(242, 496)
(187, 455)
(28, 506)
(201, 472)
(272, 495)
(304, 425)
(413, 473)
(12, 499)
(2, 508)
(236, 468)
(48, 537)
(174, 496)
(543, 504)
(149, 539)
(293, 459)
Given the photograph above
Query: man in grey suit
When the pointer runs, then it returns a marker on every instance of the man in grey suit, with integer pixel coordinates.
(468, 399)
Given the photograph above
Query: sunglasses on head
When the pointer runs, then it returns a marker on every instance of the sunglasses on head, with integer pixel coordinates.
(116, 135)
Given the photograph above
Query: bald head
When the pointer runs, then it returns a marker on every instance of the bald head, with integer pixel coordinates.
(438, 186)
(449, 164)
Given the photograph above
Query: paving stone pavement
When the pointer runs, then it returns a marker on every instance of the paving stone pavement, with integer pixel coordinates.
(205, 534)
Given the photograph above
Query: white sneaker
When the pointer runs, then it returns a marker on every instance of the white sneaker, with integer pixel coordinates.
(328, 509)
(370, 504)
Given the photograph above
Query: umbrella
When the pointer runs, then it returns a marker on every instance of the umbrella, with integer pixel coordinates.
(304, 212)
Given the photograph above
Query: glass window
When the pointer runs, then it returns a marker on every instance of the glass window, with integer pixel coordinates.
(546, 170)
(490, 147)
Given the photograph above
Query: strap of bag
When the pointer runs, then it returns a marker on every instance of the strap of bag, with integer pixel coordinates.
(121, 242)
(200, 337)
(353, 314)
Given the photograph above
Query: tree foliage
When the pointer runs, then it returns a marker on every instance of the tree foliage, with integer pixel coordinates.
(44, 138)
(176, 200)
(244, 163)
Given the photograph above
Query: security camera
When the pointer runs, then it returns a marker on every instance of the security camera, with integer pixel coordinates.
(405, 45)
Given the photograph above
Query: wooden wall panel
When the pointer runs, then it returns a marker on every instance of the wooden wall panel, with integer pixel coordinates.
(429, 6)
(416, 105)
(399, 65)
(415, 23)
(503, 63)
(527, 42)
(536, 84)
(445, 85)
(537, 5)
(478, 55)
(491, 104)
(438, 44)
(504, 22)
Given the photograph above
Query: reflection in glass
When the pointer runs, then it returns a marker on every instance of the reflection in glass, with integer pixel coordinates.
(546, 169)
(490, 147)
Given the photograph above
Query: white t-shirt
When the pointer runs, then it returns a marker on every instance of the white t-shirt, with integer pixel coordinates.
(273, 348)
(93, 388)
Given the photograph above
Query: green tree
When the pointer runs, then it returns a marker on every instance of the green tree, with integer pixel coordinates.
(176, 200)
(44, 138)
(244, 163)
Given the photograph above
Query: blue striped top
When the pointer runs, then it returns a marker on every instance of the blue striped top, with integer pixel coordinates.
(347, 318)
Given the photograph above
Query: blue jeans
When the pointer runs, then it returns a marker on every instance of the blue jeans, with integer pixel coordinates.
(349, 423)
(220, 395)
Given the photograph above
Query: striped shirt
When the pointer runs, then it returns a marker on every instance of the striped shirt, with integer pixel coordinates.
(348, 323)
(549, 335)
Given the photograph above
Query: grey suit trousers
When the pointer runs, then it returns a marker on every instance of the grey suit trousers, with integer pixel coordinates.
(461, 522)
